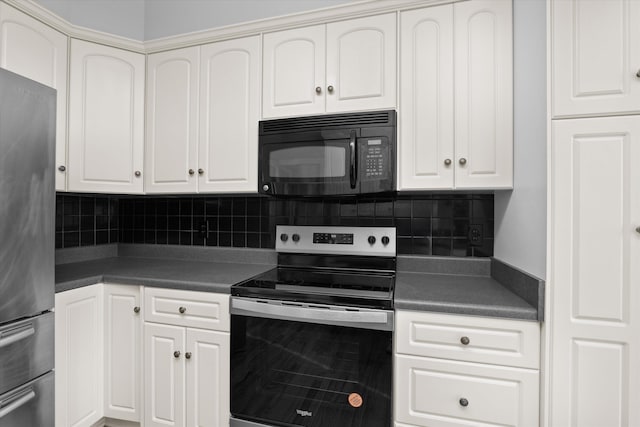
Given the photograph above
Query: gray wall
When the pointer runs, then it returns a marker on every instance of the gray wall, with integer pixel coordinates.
(150, 19)
(520, 215)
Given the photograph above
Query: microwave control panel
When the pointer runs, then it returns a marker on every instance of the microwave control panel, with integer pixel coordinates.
(376, 156)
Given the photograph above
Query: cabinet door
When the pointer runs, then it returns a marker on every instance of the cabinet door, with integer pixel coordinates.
(293, 72)
(595, 57)
(172, 121)
(442, 393)
(594, 275)
(361, 64)
(229, 114)
(164, 376)
(483, 94)
(36, 51)
(106, 119)
(426, 99)
(123, 352)
(79, 356)
(208, 384)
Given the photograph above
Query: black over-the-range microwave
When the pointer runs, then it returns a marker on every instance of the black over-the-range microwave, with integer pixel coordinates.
(328, 155)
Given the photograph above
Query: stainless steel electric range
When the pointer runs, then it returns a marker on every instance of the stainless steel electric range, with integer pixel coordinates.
(311, 340)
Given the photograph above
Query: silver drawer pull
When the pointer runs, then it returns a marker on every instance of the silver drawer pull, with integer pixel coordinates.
(20, 401)
(10, 336)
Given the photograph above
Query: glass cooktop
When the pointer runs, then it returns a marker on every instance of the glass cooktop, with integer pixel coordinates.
(322, 286)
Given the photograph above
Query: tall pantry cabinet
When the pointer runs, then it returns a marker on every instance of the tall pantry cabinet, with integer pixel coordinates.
(593, 311)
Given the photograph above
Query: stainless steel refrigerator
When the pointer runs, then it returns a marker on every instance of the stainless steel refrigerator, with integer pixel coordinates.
(27, 221)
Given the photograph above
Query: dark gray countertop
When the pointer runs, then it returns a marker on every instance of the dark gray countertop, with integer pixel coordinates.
(449, 285)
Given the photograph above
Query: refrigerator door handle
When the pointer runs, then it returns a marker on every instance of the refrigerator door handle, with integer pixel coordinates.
(10, 336)
(27, 395)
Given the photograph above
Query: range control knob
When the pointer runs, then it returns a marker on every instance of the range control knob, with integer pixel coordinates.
(385, 240)
(284, 237)
(295, 237)
(371, 240)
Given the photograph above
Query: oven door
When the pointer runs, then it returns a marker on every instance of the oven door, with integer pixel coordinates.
(297, 373)
(309, 164)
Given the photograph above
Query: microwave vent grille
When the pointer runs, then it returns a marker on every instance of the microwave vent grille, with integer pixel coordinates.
(356, 120)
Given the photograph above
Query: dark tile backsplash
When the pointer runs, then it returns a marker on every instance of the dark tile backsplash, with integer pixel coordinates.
(431, 224)
(85, 220)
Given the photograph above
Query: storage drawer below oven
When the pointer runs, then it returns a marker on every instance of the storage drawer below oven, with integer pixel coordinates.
(31, 404)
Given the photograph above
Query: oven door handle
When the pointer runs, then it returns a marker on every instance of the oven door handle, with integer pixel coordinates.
(356, 318)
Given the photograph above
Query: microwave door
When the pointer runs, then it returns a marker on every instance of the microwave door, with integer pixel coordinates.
(310, 168)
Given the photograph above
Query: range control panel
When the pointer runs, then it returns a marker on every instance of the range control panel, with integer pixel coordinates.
(372, 241)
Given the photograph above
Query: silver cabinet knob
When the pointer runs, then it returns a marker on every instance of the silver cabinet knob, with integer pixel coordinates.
(182, 310)
(465, 340)
(187, 355)
(62, 168)
(463, 402)
(462, 161)
(200, 171)
(176, 354)
(136, 309)
(318, 90)
(330, 89)
(447, 162)
(137, 173)
(191, 171)
(265, 187)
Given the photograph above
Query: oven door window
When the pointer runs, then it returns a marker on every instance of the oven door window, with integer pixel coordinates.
(308, 162)
(288, 373)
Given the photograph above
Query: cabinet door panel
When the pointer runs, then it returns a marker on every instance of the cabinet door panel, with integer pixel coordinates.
(36, 51)
(172, 121)
(123, 347)
(293, 68)
(164, 393)
(229, 114)
(594, 295)
(430, 392)
(426, 98)
(483, 94)
(596, 55)
(361, 63)
(79, 352)
(106, 117)
(208, 378)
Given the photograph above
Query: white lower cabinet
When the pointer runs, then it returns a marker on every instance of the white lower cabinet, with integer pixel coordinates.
(186, 368)
(439, 382)
(123, 352)
(79, 356)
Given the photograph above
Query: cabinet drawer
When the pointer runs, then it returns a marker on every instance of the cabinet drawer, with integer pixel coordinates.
(205, 310)
(438, 393)
(473, 339)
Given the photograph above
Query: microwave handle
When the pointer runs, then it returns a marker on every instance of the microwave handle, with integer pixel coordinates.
(352, 155)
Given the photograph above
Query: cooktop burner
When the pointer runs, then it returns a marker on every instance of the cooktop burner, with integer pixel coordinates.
(329, 265)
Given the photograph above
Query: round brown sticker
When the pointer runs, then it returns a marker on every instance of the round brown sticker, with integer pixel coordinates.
(355, 400)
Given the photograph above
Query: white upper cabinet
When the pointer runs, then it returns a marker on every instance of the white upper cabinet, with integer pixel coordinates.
(229, 114)
(456, 91)
(106, 119)
(36, 51)
(293, 65)
(426, 148)
(171, 151)
(355, 69)
(483, 56)
(596, 57)
(361, 64)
